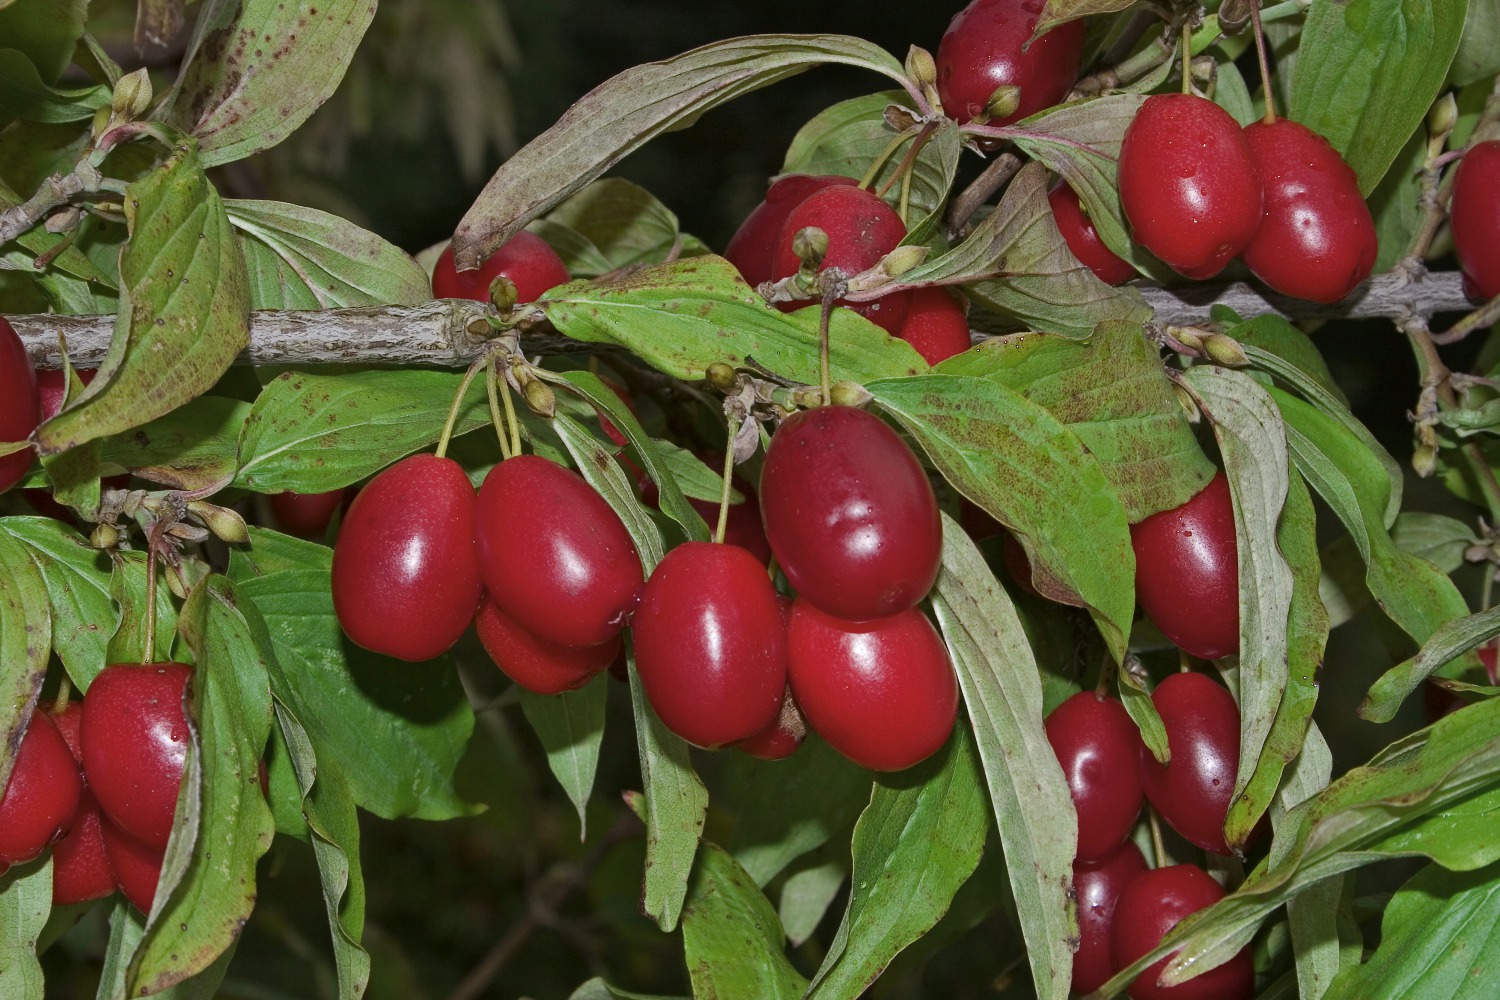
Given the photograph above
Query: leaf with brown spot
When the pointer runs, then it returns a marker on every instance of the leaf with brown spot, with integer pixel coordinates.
(734, 942)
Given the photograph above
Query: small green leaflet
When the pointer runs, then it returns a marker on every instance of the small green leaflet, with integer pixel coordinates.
(571, 728)
(611, 224)
(25, 642)
(1449, 642)
(78, 581)
(734, 942)
(25, 902)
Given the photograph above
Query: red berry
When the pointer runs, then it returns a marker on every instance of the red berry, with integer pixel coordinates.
(136, 867)
(1316, 239)
(80, 871)
(525, 259)
(1475, 218)
(1193, 792)
(1098, 887)
(936, 325)
(849, 513)
(1187, 575)
(306, 515)
(1189, 184)
(555, 556)
(753, 243)
(881, 692)
(50, 390)
(782, 737)
(405, 570)
(41, 797)
(742, 525)
(710, 644)
(135, 740)
(861, 229)
(1152, 904)
(1083, 239)
(536, 664)
(20, 404)
(985, 47)
(1097, 745)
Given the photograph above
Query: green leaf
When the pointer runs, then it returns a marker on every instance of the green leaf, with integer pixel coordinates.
(1028, 471)
(394, 732)
(271, 551)
(315, 433)
(1324, 937)
(917, 841)
(301, 258)
(606, 476)
(1043, 283)
(1028, 791)
(684, 316)
(184, 310)
(598, 989)
(571, 728)
(23, 94)
(191, 448)
(633, 107)
(255, 79)
(77, 581)
(25, 902)
(1367, 72)
(127, 586)
(223, 825)
(806, 896)
(1061, 11)
(611, 224)
(734, 942)
(1115, 395)
(1447, 643)
(25, 643)
(1477, 58)
(1293, 356)
(1436, 936)
(673, 804)
(1395, 204)
(1436, 538)
(46, 31)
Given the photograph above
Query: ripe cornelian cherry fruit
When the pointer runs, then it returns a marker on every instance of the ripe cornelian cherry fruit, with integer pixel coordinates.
(782, 737)
(1098, 886)
(537, 665)
(40, 799)
(936, 325)
(1187, 572)
(80, 871)
(1475, 217)
(1083, 239)
(710, 644)
(1097, 744)
(751, 246)
(1189, 184)
(20, 404)
(405, 567)
(1316, 239)
(849, 513)
(135, 740)
(50, 390)
(555, 556)
(1192, 792)
(136, 866)
(525, 259)
(1153, 903)
(306, 515)
(861, 229)
(881, 692)
(985, 47)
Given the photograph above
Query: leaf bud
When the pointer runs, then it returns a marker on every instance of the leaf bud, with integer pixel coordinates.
(1003, 102)
(100, 123)
(132, 96)
(849, 394)
(1225, 350)
(921, 67)
(903, 259)
(1443, 116)
(503, 293)
(1424, 460)
(722, 376)
(64, 220)
(810, 244)
(223, 522)
(540, 398)
(1187, 403)
(1234, 15)
(104, 536)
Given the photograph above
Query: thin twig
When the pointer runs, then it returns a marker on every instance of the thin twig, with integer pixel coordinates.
(994, 177)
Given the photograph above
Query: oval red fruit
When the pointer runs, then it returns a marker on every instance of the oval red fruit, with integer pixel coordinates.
(405, 569)
(1153, 903)
(525, 259)
(1189, 184)
(1193, 792)
(849, 513)
(1187, 573)
(1097, 744)
(881, 692)
(1083, 239)
(306, 515)
(538, 665)
(40, 799)
(136, 867)
(555, 556)
(985, 47)
(782, 737)
(1475, 218)
(1098, 887)
(752, 245)
(20, 404)
(936, 325)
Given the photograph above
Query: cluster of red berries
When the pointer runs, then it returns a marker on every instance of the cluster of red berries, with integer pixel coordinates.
(98, 781)
(1124, 909)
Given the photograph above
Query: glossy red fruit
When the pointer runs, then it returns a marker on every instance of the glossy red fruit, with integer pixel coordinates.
(1083, 239)
(538, 665)
(936, 325)
(306, 515)
(1316, 239)
(1187, 572)
(753, 243)
(1193, 792)
(742, 525)
(525, 259)
(51, 388)
(1098, 887)
(1153, 903)
(782, 737)
(849, 513)
(881, 692)
(405, 567)
(710, 644)
(1475, 217)
(20, 404)
(555, 556)
(1189, 184)
(136, 867)
(41, 797)
(80, 870)
(861, 229)
(985, 48)
(1097, 744)
(135, 740)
